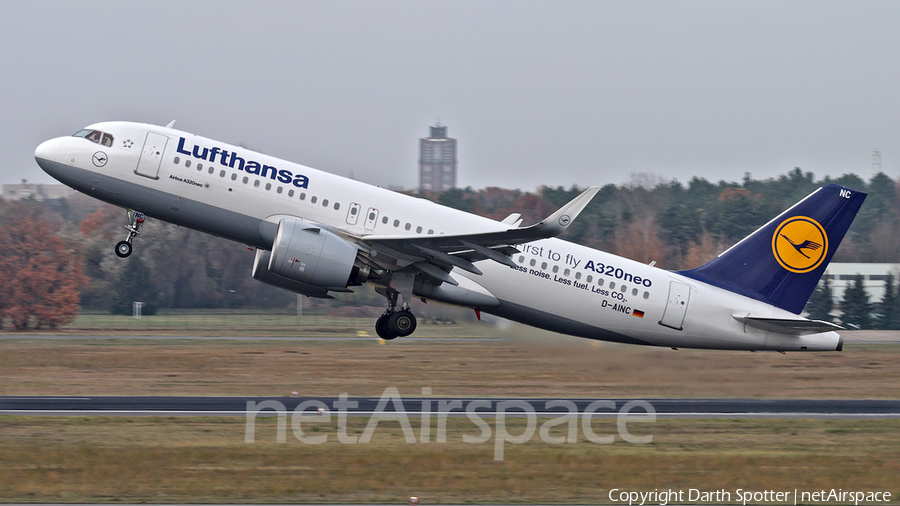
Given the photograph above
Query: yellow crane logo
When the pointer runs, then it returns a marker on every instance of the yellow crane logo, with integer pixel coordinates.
(800, 244)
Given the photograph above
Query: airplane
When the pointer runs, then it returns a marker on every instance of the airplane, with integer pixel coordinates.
(316, 233)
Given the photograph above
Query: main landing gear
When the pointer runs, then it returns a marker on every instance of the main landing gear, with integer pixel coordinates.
(124, 248)
(395, 321)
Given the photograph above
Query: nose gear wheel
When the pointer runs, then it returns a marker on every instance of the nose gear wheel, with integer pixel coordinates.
(124, 248)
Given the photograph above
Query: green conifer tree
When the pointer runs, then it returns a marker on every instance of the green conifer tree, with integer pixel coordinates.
(855, 307)
(889, 308)
(821, 302)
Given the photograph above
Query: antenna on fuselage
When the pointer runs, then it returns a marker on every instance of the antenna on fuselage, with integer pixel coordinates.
(171, 124)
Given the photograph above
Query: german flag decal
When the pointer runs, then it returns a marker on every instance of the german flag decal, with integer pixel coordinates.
(638, 313)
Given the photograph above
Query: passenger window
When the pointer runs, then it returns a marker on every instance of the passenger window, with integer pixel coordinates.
(222, 173)
(577, 275)
(234, 177)
(555, 269)
(599, 281)
(246, 179)
(302, 196)
(646, 295)
(256, 183)
(623, 288)
(384, 220)
(521, 259)
(187, 163)
(532, 262)
(589, 278)
(199, 166)
(290, 193)
(612, 285)
(324, 202)
(544, 266)
(177, 160)
(430, 231)
(337, 206)
(634, 292)
(396, 223)
(408, 226)
(268, 186)
(418, 230)
(313, 199)
(211, 169)
(566, 273)
(280, 189)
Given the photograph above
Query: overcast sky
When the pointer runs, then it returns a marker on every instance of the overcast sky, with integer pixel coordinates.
(555, 93)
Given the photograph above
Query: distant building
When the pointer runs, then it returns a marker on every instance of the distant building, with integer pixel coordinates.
(840, 275)
(437, 161)
(37, 191)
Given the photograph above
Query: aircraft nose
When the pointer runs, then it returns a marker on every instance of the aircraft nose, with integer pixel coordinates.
(47, 150)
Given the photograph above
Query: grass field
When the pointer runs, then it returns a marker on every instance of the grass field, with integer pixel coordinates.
(76, 459)
(281, 323)
(147, 459)
(526, 363)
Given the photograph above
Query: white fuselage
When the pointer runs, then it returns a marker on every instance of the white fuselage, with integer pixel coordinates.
(560, 286)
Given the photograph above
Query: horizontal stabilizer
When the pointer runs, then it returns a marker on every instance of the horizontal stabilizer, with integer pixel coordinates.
(792, 326)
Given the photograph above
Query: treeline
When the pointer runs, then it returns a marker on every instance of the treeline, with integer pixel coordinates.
(856, 310)
(678, 225)
(684, 225)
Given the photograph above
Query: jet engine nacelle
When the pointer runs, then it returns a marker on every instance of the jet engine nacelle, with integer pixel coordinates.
(261, 273)
(307, 253)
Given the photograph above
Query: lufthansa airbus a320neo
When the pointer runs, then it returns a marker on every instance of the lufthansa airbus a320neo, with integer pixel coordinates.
(317, 233)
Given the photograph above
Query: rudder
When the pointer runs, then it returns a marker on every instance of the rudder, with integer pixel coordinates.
(781, 262)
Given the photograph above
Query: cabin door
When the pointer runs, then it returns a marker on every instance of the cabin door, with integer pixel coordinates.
(151, 155)
(676, 305)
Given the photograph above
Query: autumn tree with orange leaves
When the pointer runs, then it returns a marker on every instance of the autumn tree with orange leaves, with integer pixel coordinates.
(40, 276)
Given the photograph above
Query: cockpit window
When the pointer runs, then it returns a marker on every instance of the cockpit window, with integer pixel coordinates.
(96, 136)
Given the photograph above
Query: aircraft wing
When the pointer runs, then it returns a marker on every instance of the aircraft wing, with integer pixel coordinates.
(792, 326)
(435, 255)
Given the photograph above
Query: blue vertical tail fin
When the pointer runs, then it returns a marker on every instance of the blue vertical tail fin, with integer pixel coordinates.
(781, 263)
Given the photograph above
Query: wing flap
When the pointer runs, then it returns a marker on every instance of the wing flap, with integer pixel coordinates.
(454, 260)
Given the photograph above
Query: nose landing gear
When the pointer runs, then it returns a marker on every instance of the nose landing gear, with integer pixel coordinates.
(124, 248)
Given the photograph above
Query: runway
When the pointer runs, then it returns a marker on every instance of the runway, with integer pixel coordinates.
(419, 406)
(850, 337)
